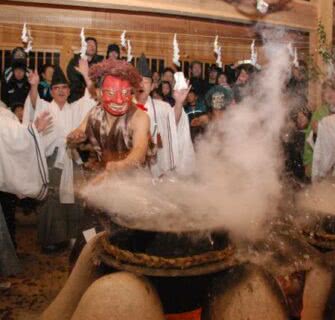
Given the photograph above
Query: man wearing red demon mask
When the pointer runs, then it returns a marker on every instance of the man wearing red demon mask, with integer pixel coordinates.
(116, 128)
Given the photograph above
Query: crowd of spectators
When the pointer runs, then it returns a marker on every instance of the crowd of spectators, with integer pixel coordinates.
(207, 100)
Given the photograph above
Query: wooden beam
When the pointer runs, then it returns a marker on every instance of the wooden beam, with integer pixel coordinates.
(301, 15)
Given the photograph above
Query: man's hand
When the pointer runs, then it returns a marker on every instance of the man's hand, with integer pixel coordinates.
(181, 95)
(33, 78)
(43, 122)
(83, 67)
(77, 136)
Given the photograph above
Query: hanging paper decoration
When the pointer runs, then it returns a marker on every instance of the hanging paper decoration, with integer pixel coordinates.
(262, 6)
(129, 55)
(83, 48)
(24, 35)
(123, 39)
(176, 55)
(217, 50)
(294, 54)
(295, 58)
(27, 38)
(290, 49)
(253, 57)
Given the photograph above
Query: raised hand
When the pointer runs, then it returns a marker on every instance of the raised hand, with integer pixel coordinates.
(43, 122)
(83, 67)
(34, 78)
(181, 95)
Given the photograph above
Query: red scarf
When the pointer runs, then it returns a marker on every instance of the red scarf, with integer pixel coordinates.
(141, 106)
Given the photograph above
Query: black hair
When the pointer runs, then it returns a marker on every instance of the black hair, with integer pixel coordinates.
(94, 40)
(168, 69)
(15, 50)
(160, 88)
(113, 47)
(45, 66)
(157, 92)
(14, 105)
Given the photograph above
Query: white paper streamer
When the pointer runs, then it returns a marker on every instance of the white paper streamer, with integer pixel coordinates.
(123, 39)
(295, 58)
(217, 50)
(24, 35)
(253, 57)
(290, 49)
(176, 55)
(262, 6)
(83, 48)
(180, 81)
(27, 38)
(129, 55)
(294, 54)
(30, 43)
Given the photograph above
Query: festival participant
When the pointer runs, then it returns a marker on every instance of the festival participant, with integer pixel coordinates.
(245, 70)
(23, 172)
(199, 85)
(197, 115)
(116, 128)
(77, 82)
(59, 215)
(327, 107)
(119, 132)
(113, 51)
(324, 150)
(170, 130)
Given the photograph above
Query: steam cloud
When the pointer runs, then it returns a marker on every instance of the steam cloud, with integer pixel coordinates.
(236, 186)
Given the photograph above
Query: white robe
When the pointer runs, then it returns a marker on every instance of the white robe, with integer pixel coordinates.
(64, 121)
(324, 149)
(177, 152)
(23, 167)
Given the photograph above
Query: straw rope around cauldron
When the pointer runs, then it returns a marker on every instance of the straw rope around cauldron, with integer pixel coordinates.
(157, 262)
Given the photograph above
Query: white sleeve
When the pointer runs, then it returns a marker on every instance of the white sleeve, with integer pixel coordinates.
(29, 113)
(23, 168)
(324, 149)
(186, 165)
(82, 107)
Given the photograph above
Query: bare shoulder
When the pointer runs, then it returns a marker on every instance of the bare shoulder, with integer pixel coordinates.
(141, 116)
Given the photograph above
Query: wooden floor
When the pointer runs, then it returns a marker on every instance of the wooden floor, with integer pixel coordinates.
(41, 279)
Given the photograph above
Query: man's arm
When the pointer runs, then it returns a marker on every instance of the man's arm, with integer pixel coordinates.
(34, 80)
(180, 97)
(78, 135)
(83, 69)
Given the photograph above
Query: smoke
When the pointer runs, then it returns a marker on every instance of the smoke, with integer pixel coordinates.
(236, 186)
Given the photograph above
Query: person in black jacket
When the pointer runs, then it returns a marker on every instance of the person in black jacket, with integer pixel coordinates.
(77, 82)
(15, 88)
(199, 85)
(113, 52)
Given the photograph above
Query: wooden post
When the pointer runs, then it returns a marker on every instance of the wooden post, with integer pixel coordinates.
(325, 13)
